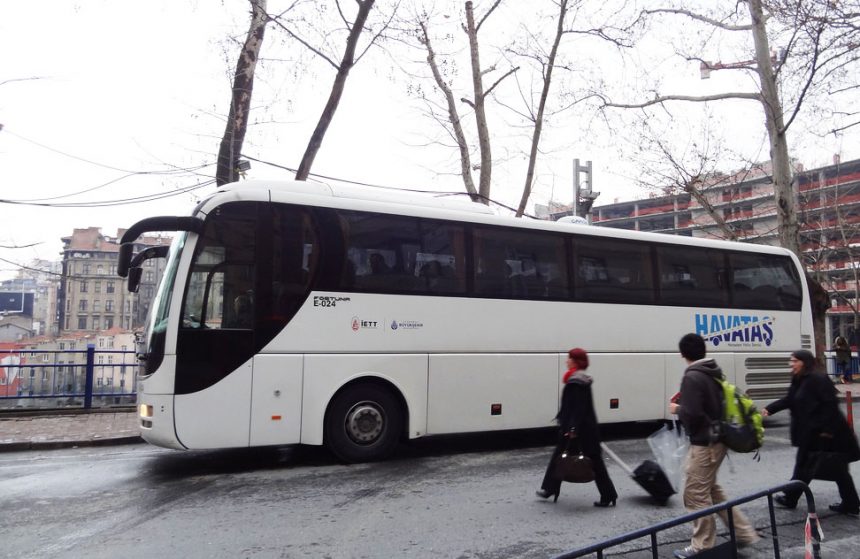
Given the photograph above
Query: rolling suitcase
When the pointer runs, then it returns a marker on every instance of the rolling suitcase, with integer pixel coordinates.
(648, 475)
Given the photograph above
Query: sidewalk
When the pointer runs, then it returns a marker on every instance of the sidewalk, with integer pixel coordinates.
(74, 429)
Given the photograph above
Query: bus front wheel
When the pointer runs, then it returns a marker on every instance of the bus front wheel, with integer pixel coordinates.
(363, 423)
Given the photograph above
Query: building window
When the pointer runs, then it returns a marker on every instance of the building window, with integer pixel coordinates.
(82, 305)
(101, 358)
(44, 375)
(109, 381)
(101, 344)
(150, 277)
(108, 322)
(97, 305)
(99, 381)
(98, 287)
(86, 269)
(82, 323)
(110, 359)
(83, 287)
(100, 270)
(62, 345)
(109, 287)
(96, 323)
(109, 305)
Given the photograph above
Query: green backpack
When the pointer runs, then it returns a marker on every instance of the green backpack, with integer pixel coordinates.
(740, 428)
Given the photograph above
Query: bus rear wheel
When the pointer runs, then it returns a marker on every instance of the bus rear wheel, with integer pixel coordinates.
(363, 423)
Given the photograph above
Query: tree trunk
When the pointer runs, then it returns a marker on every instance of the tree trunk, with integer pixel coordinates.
(786, 201)
(240, 102)
(453, 115)
(337, 88)
(783, 185)
(547, 81)
(480, 112)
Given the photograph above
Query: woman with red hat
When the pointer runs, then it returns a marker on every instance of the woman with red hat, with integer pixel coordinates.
(577, 413)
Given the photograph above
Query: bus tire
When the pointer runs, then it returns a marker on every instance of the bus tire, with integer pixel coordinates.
(363, 423)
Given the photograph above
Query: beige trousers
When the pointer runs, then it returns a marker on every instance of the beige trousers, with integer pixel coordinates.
(701, 490)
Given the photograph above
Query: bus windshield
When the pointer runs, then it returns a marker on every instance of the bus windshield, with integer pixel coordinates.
(159, 312)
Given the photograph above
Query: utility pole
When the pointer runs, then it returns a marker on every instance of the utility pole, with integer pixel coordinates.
(583, 198)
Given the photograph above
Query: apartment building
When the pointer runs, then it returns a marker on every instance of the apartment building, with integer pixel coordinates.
(36, 287)
(53, 371)
(91, 297)
(829, 215)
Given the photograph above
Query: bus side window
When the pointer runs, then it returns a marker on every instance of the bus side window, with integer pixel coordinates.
(613, 271)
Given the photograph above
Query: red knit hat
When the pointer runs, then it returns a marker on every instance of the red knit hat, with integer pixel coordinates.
(580, 358)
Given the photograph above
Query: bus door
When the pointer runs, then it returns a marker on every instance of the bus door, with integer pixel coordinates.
(215, 340)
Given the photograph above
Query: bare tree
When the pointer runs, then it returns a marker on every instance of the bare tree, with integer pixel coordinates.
(240, 101)
(349, 58)
(453, 116)
(767, 68)
(547, 57)
(477, 103)
(693, 170)
(767, 97)
(547, 67)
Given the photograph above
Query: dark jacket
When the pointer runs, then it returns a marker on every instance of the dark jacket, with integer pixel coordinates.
(814, 410)
(701, 400)
(577, 412)
(843, 350)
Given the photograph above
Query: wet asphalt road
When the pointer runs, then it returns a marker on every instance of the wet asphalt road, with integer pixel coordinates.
(459, 497)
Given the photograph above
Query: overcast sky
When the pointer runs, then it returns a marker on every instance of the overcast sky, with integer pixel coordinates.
(108, 101)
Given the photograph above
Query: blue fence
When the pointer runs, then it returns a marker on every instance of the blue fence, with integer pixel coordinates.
(67, 378)
(833, 370)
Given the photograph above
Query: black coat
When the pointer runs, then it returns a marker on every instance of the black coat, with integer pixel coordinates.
(812, 400)
(577, 412)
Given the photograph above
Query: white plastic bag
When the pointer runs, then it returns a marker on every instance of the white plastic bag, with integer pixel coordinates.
(670, 444)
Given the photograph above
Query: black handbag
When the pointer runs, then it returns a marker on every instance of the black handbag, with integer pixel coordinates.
(574, 467)
(826, 464)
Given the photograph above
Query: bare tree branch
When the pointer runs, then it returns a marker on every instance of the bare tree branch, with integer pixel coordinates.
(699, 17)
(691, 98)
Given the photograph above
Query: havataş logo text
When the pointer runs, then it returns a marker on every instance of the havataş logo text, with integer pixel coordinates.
(735, 329)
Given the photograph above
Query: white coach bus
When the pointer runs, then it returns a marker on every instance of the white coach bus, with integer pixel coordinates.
(300, 313)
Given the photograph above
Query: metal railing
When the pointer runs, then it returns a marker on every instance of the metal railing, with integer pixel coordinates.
(833, 369)
(728, 548)
(87, 378)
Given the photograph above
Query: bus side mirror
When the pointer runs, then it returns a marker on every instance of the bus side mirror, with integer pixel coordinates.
(134, 275)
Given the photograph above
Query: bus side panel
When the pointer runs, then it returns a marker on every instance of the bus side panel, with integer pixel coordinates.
(325, 374)
(635, 381)
(276, 400)
(219, 416)
(464, 388)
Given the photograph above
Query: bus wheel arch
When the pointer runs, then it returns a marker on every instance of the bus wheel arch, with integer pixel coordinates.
(365, 420)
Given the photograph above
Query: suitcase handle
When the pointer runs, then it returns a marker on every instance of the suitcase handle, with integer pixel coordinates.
(617, 460)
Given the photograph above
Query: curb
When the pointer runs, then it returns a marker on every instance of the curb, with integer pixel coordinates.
(18, 446)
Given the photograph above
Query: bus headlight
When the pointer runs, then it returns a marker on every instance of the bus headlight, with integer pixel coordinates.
(145, 410)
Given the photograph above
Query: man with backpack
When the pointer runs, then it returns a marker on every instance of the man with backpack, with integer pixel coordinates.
(699, 407)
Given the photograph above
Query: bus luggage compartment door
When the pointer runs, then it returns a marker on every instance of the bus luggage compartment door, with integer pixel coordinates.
(276, 400)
